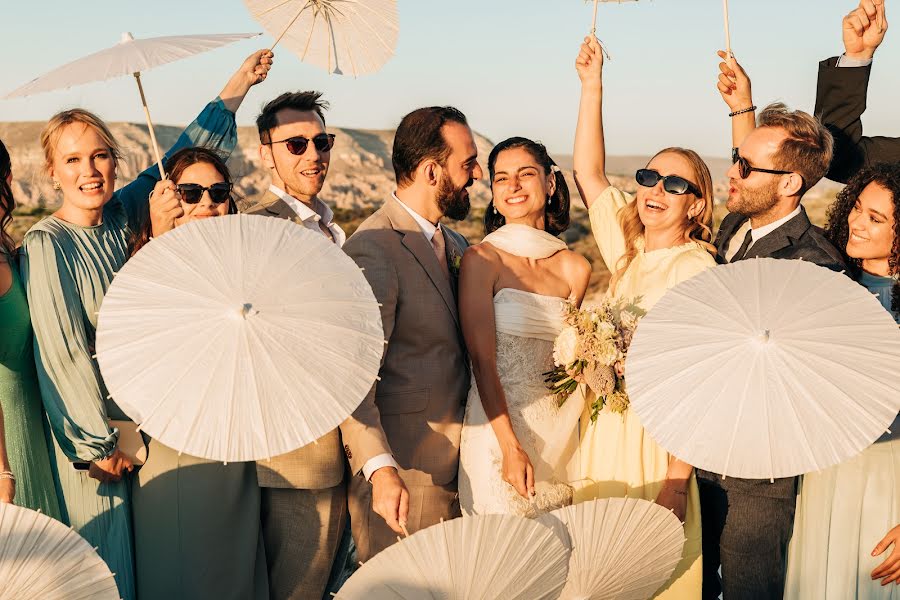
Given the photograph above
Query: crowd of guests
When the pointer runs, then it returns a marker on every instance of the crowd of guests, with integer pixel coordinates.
(177, 526)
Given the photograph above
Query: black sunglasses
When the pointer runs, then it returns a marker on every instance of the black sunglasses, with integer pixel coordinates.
(297, 145)
(672, 184)
(744, 168)
(192, 192)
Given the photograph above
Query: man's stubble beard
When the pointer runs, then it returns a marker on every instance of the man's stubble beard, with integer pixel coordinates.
(756, 201)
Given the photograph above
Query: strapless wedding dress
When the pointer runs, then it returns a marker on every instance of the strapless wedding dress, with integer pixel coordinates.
(527, 325)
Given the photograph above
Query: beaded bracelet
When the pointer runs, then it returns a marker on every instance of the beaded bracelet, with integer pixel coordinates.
(7, 475)
(742, 111)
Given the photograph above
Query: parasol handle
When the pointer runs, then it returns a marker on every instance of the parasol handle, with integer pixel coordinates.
(162, 172)
(727, 31)
(288, 27)
(594, 26)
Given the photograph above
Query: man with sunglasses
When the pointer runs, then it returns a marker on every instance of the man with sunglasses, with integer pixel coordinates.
(304, 498)
(747, 523)
(842, 89)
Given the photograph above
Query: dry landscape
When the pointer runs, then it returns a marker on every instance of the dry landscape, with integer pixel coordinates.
(359, 179)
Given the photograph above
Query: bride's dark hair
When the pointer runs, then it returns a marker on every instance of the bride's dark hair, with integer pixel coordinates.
(556, 219)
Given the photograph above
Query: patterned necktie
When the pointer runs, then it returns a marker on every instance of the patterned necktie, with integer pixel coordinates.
(440, 250)
(742, 251)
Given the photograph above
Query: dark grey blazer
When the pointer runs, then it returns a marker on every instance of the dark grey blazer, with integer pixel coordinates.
(840, 103)
(798, 238)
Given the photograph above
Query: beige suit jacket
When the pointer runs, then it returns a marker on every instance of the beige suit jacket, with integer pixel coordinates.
(316, 466)
(415, 410)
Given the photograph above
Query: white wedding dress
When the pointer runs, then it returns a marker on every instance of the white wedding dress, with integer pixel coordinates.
(527, 325)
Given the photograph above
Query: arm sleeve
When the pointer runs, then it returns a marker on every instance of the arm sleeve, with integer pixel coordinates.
(841, 96)
(604, 215)
(214, 128)
(362, 432)
(70, 383)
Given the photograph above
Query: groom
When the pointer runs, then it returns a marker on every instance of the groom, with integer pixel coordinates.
(747, 522)
(403, 441)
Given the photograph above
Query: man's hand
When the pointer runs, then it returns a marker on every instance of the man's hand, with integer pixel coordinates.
(734, 84)
(518, 471)
(390, 498)
(111, 467)
(589, 63)
(864, 29)
(165, 207)
(889, 570)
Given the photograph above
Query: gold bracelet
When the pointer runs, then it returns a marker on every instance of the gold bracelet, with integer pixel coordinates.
(7, 475)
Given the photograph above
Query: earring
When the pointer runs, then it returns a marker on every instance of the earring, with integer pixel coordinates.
(496, 212)
(549, 199)
(57, 185)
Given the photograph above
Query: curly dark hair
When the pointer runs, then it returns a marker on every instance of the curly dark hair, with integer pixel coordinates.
(556, 219)
(7, 202)
(837, 229)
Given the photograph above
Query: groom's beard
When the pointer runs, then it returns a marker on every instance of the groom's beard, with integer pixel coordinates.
(453, 201)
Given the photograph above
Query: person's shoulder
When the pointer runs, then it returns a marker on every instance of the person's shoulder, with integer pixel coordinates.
(574, 263)
(256, 204)
(815, 247)
(459, 238)
(692, 260)
(375, 231)
(47, 230)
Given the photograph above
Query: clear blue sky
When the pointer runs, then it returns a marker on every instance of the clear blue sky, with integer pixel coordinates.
(508, 64)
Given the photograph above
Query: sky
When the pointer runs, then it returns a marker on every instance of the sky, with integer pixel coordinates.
(507, 64)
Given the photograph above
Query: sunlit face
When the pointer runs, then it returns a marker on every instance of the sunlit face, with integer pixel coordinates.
(303, 175)
(84, 166)
(661, 211)
(758, 194)
(520, 186)
(871, 224)
(203, 174)
(459, 171)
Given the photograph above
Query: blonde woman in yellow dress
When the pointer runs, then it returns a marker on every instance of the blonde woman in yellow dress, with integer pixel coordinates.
(650, 243)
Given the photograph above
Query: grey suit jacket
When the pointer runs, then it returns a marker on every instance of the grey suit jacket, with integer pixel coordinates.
(798, 238)
(316, 466)
(415, 410)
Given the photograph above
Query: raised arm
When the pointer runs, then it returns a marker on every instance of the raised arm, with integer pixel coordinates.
(214, 128)
(590, 150)
(734, 86)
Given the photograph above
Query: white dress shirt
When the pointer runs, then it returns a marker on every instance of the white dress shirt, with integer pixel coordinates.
(755, 234)
(386, 460)
(312, 217)
(843, 61)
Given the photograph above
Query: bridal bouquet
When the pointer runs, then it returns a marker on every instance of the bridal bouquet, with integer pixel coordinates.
(591, 349)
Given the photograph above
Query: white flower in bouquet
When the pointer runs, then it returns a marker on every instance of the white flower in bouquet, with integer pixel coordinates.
(607, 353)
(565, 349)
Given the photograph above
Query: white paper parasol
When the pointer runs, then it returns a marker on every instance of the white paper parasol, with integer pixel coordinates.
(765, 368)
(239, 338)
(354, 37)
(42, 558)
(484, 556)
(622, 548)
(129, 57)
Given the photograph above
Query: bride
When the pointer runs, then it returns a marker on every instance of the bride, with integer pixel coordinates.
(512, 290)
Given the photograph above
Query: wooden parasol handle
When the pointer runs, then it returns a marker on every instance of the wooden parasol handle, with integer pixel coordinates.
(594, 26)
(162, 172)
(727, 31)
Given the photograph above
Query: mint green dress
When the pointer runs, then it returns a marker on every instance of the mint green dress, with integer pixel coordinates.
(67, 270)
(27, 437)
(844, 511)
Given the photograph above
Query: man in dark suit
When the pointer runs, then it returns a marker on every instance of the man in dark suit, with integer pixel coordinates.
(841, 94)
(747, 523)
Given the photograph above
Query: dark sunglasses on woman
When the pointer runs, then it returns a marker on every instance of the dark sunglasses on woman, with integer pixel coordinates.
(192, 192)
(744, 168)
(673, 184)
(297, 145)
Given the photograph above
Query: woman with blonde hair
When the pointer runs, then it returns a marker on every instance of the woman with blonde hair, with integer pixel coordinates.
(650, 242)
(71, 258)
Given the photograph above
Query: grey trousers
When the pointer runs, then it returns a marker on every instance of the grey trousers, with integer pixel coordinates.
(301, 531)
(747, 524)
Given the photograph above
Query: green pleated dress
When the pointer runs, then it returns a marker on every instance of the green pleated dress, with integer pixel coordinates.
(27, 438)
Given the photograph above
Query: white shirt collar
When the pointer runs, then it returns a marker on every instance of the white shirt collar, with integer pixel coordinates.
(759, 232)
(321, 211)
(428, 228)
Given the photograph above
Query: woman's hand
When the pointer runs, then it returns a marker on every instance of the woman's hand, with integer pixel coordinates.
(673, 496)
(110, 468)
(165, 207)
(253, 70)
(889, 570)
(589, 63)
(517, 470)
(734, 84)
(7, 491)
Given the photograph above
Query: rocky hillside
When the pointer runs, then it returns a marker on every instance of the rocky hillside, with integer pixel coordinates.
(359, 179)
